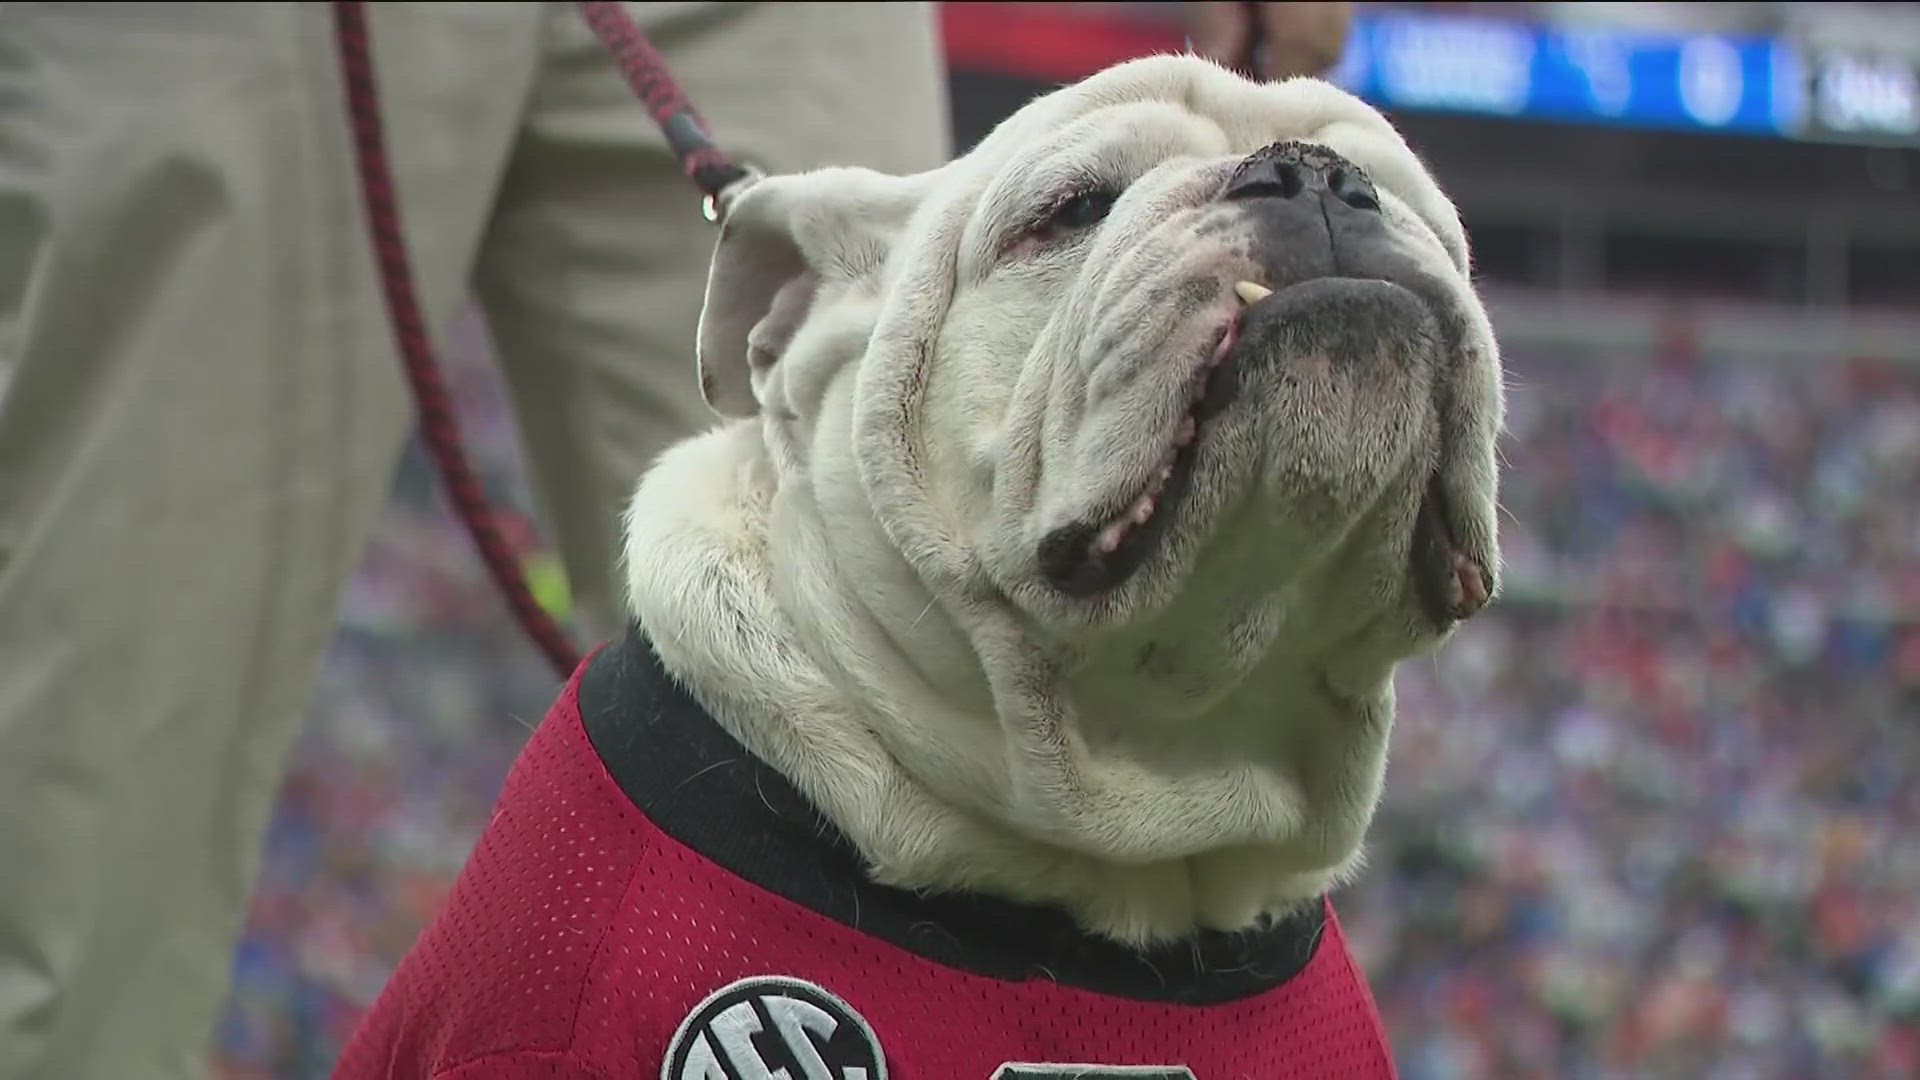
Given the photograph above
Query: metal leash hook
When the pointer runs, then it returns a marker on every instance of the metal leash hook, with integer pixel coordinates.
(714, 207)
(686, 131)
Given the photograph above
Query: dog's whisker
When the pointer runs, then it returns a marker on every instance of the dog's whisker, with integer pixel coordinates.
(928, 926)
(690, 778)
(924, 612)
(1159, 976)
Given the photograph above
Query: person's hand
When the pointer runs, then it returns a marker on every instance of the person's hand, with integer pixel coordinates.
(1271, 40)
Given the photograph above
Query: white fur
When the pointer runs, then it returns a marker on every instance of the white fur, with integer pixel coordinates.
(845, 572)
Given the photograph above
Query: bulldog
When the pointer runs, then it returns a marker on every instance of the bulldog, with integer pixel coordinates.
(1011, 673)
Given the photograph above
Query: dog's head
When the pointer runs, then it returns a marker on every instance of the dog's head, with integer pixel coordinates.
(1162, 422)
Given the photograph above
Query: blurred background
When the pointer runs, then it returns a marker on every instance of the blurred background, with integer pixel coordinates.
(1654, 815)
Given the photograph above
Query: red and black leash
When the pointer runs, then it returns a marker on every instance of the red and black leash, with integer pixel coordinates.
(691, 141)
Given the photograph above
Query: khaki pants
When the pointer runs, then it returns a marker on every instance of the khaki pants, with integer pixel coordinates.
(205, 410)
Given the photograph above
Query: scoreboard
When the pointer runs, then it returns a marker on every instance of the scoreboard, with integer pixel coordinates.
(1860, 98)
(1423, 61)
(1631, 78)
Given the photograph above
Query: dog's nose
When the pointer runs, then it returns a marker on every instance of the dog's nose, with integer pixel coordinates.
(1289, 170)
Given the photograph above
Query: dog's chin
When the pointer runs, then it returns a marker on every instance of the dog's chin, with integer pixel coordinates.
(1091, 560)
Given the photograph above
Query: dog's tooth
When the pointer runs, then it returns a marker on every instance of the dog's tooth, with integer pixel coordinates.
(1142, 510)
(1109, 538)
(1251, 292)
(1184, 434)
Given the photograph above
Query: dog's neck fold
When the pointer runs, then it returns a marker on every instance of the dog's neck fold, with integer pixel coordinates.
(942, 737)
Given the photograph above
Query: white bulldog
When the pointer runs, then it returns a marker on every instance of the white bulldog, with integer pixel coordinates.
(1081, 496)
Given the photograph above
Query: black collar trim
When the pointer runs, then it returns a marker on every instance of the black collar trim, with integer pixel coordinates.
(699, 786)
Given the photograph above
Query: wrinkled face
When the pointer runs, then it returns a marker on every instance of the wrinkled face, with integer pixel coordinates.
(1172, 361)
(1214, 366)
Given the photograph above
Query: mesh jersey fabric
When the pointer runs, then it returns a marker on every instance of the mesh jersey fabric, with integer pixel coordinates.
(580, 936)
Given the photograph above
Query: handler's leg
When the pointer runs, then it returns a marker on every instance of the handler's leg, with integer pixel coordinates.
(594, 271)
(200, 427)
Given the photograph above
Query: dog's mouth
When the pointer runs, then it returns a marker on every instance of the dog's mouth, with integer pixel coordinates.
(1089, 558)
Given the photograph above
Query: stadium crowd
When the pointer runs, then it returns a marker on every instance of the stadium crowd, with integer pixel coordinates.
(1645, 817)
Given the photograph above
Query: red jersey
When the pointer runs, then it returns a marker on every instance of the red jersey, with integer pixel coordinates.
(651, 901)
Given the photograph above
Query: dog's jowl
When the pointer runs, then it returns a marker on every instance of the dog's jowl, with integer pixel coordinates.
(1010, 679)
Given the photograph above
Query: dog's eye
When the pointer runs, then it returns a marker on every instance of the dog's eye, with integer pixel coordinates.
(1060, 221)
(1081, 212)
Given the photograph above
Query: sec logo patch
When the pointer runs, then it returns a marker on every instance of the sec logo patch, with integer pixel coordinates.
(1024, 1071)
(772, 1027)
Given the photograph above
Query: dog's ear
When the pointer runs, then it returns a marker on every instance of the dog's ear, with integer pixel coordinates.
(786, 238)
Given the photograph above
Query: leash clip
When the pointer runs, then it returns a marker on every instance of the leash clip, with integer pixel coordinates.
(714, 207)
